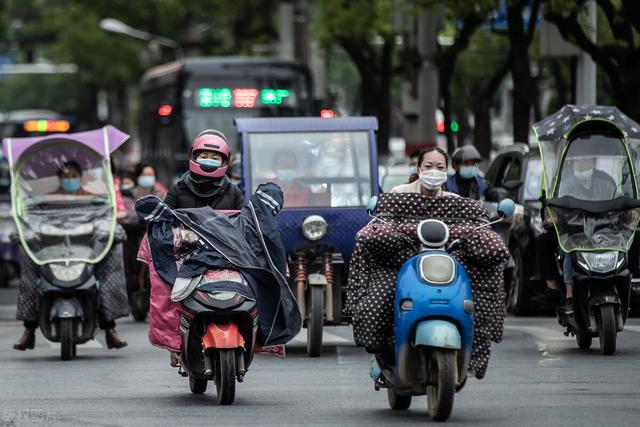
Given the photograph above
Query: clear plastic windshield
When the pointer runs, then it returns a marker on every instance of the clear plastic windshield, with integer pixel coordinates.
(579, 230)
(63, 192)
(595, 168)
(314, 169)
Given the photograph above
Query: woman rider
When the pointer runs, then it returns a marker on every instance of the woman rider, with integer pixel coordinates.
(430, 176)
(109, 271)
(205, 184)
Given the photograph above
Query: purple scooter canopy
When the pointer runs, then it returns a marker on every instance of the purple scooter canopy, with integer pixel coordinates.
(104, 141)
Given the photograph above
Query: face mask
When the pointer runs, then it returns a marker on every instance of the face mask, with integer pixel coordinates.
(209, 162)
(286, 175)
(146, 181)
(70, 185)
(582, 175)
(468, 172)
(127, 187)
(433, 179)
(412, 170)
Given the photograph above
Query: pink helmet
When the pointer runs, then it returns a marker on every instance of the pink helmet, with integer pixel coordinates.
(209, 140)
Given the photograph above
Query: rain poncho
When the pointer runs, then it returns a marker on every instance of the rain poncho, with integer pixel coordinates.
(382, 248)
(248, 242)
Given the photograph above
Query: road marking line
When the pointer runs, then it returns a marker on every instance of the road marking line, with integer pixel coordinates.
(631, 328)
(327, 338)
(88, 344)
(539, 332)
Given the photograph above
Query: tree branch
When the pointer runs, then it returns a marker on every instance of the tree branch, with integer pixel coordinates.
(620, 27)
(572, 32)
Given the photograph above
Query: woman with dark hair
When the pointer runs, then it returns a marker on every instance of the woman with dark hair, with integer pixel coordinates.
(145, 178)
(430, 174)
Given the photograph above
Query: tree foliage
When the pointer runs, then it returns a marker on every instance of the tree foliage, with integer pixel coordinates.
(618, 56)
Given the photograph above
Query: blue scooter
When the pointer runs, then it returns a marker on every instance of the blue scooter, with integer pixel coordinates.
(433, 323)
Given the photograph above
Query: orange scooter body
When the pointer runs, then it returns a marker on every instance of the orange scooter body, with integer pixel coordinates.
(222, 336)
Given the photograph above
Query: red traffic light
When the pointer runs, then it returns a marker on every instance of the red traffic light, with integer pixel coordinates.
(165, 110)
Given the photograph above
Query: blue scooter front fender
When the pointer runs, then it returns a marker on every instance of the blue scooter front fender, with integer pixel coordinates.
(438, 333)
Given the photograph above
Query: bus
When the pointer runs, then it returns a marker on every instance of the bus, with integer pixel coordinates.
(182, 98)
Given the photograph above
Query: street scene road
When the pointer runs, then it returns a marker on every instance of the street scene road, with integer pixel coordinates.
(537, 377)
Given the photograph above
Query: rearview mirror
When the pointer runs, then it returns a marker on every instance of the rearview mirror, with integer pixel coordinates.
(371, 205)
(506, 208)
(512, 184)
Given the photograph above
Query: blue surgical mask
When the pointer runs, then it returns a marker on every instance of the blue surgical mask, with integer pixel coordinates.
(127, 187)
(584, 175)
(70, 185)
(209, 162)
(468, 172)
(146, 181)
(286, 175)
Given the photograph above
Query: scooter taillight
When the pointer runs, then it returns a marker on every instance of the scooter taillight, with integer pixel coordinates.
(222, 336)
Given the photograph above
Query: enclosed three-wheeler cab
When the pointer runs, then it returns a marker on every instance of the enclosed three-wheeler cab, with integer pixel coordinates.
(327, 169)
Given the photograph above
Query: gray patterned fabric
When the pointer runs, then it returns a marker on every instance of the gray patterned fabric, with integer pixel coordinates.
(112, 294)
(382, 248)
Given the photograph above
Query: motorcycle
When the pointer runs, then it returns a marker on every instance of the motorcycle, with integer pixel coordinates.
(9, 251)
(433, 322)
(65, 234)
(595, 224)
(218, 328)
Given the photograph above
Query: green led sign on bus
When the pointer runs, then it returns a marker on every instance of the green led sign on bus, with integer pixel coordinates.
(226, 97)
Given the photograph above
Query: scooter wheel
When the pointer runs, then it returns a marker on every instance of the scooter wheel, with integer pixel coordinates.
(607, 330)
(584, 341)
(67, 339)
(440, 393)
(197, 385)
(226, 376)
(398, 402)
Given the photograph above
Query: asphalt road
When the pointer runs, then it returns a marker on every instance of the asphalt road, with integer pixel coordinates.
(537, 377)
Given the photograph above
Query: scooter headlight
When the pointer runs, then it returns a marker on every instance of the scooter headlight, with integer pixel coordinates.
(601, 262)
(314, 227)
(66, 273)
(437, 269)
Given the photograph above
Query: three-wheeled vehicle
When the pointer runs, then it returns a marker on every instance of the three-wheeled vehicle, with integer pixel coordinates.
(590, 194)
(327, 169)
(65, 233)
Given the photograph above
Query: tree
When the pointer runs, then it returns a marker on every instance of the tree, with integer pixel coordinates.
(618, 58)
(520, 38)
(363, 29)
(465, 17)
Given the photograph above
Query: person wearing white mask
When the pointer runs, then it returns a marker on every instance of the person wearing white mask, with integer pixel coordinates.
(430, 174)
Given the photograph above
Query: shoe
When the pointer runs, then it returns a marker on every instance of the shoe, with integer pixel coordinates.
(113, 340)
(567, 308)
(551, 297)
(27, 341)
(174, 358)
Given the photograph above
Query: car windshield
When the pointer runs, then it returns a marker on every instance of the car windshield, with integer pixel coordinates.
(314, 169)
(533, 178)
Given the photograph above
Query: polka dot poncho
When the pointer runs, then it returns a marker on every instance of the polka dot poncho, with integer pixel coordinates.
(382, 248)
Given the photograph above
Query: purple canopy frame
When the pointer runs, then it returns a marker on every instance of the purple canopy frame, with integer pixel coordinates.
(100, 140)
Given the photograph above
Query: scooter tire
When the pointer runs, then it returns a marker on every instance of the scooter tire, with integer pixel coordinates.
(197, 385)
(398, 402)
(226, 376)
(441, 391)
(584, 341)
(315, 322)
(607, 330)
(67, 339)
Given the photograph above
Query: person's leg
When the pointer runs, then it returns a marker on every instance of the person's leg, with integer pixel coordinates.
(28, 304)
(112, 294)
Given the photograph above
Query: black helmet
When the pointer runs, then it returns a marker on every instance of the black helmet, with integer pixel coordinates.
(465, 153)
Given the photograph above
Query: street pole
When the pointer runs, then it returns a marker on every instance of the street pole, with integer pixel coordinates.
(586, 69)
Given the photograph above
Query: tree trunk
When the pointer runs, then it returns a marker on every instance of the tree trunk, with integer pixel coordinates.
(520, 72)
(481, 104)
